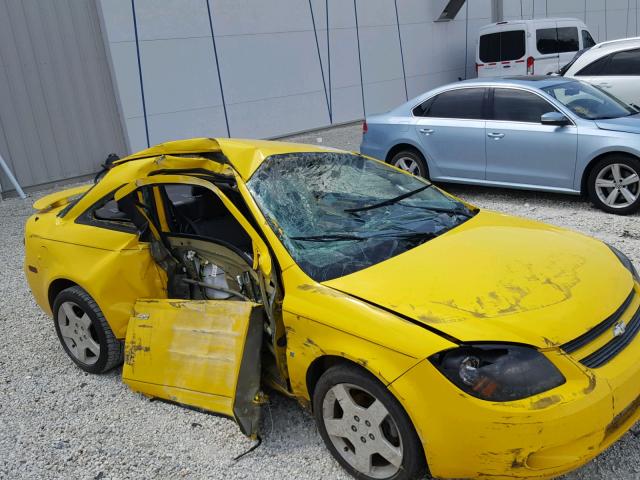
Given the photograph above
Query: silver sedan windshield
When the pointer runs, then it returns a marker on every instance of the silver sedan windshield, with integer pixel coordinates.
(588, 102)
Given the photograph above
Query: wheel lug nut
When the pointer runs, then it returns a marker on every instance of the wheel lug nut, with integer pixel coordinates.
(371, 436)
(367, 423)
(356, 418)
(346, 449)
(353, 427)
(363, 440)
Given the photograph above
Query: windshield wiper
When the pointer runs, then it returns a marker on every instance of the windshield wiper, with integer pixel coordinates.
(391, 201)
(336, 237)
(463, 212)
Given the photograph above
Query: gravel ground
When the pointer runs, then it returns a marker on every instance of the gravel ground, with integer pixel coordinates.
(58, 422)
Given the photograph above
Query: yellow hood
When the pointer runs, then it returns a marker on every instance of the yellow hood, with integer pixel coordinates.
(499, 278)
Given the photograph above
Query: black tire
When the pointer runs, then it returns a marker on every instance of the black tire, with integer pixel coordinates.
(413, 464)
(110, 348)
(628, 165)
(403, 157)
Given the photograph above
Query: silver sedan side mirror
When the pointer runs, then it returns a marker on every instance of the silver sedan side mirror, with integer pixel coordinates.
(554, 118)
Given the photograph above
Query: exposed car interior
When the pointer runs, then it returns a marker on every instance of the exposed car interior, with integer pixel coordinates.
(198, 211)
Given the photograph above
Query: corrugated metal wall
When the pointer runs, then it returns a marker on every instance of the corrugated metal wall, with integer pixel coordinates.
(58, 113)
(255, 68)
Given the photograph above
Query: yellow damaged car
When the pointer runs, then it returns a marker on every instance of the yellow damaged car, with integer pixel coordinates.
(425, 335)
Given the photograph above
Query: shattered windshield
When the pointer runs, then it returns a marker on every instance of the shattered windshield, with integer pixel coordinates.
(337, 213)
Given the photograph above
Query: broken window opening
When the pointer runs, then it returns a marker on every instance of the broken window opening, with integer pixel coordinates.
(311, 200)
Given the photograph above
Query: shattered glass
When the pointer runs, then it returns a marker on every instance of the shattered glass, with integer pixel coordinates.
(338, 213)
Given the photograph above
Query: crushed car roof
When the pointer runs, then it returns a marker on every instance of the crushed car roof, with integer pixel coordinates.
(245, 156)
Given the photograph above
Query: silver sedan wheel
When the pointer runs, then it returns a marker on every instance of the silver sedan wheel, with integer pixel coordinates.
(77, 332)
(408, 164)
(362, 431)
(618, 185)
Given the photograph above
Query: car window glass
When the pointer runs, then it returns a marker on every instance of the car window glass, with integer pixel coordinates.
(519, 106)
(512, 45)
(109, 211)
(595, 68)
(460, 103)
(587, 39)
(588, 101)
(337, 213)
(546, 40)
(502, 46)
(567, 39)
(623, 63)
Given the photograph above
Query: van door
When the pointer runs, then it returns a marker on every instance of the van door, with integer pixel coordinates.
(502, 53)
(202, 345)
(546, 57)
(568, 41)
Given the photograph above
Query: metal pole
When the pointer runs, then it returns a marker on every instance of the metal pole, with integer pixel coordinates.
(13, 180)
(497, 10)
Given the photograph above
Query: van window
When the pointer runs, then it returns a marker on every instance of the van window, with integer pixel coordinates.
(459, 103)
(587, 40)
(502, 46)
(519, 106)
(557, 40)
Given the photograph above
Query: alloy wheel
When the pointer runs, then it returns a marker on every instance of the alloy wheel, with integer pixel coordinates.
(408, 164)
(617, 185)
(362, 431)
(78, 334)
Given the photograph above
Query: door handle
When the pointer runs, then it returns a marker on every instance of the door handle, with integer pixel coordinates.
(605, 85)
(495, 135)
(426, 131)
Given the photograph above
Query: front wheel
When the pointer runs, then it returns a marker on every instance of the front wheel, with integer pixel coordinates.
(365, 428)
(614, 185)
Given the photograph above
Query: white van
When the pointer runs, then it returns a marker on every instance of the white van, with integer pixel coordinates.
(529, 47)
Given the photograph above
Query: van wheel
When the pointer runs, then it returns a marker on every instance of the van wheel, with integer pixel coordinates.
(365, 428)
(84, 332)
(411, 161)
(614, 185)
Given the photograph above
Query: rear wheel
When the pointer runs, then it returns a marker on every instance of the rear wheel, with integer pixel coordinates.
(614, 185)
(410, 161)
(365, 428)
(84, 332)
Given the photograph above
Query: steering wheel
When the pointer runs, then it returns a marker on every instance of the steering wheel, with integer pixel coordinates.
(586, 106)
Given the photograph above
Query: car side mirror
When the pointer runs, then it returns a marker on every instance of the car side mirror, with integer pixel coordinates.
(554, 118)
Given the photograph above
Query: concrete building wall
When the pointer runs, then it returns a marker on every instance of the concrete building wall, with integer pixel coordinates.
(58, 113)
(607, 19)
(82, 78)
(248, 68)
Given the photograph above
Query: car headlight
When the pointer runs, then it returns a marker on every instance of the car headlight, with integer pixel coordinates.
(628, 264)
(499, 373)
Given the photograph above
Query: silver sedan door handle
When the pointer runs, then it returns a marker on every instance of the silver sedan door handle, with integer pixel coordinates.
(495, 135)
(604, 85)
(426, 131)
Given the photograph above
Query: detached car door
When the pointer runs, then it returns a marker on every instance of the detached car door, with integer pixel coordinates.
(523, 151)
(450, 128)
(202, 351)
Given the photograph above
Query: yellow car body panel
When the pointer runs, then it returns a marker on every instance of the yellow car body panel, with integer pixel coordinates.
(493, 278)
(192, 352)
(112, 266)
(57, 199)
